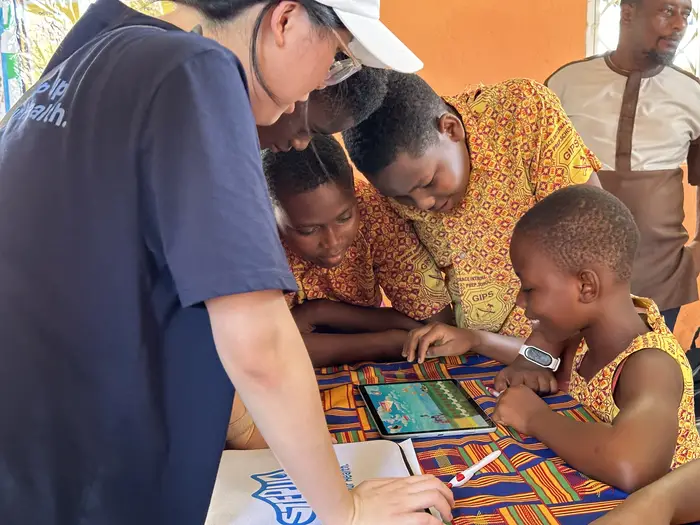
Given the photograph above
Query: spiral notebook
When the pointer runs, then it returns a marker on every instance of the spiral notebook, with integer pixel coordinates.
(252, 489)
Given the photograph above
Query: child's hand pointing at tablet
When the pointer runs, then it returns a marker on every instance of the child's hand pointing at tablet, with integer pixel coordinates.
(437, 340)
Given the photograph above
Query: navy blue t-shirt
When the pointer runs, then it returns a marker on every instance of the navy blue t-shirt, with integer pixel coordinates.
(130, 192)
(99, 16)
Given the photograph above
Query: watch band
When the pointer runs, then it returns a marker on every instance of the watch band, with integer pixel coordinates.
(554, 362)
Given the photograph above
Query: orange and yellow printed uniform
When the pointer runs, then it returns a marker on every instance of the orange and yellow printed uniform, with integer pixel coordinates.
(385, 255)
(597, 394)
(522, 147)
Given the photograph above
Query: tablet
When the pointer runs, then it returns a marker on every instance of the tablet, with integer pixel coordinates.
(418, 409)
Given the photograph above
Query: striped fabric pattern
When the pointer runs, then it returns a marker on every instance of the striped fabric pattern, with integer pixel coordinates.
(527, 485)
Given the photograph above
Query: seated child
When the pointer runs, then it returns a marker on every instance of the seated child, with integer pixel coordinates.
(328, 111)
(345, 245)
(573, 253)
(464, 169)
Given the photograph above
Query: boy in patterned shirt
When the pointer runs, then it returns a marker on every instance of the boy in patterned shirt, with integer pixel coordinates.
(464, 169)
(573, 253)
(345, 245)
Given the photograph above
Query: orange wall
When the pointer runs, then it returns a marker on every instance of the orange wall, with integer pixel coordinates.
(465, 42)
(469, 41)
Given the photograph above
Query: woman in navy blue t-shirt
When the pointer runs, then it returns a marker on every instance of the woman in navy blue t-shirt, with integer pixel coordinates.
(138, 252)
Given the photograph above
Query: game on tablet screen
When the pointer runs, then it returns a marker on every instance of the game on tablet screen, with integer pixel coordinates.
(423, 407)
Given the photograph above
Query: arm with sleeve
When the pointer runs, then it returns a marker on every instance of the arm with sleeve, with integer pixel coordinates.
(208, 200)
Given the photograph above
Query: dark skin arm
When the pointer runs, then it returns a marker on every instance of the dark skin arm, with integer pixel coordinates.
(350, 318)
(629, 453)
(670, 500)
(520, 371)
(374, 334)
(442, 340)
(446, 315)
(337, 349)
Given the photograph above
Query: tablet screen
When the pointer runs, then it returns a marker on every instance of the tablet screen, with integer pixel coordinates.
(424, 406)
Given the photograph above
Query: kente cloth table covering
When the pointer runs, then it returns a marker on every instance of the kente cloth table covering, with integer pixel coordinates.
(528, 484)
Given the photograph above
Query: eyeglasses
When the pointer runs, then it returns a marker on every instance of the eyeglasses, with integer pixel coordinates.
(342, 69)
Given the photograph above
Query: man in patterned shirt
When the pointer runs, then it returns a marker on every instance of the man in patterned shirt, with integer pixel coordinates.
(464, 169)
(345, 245)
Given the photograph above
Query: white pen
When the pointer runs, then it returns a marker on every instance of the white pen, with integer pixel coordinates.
(495, 393)
(464, 476)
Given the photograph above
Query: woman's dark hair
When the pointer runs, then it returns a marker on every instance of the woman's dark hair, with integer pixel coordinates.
(321, 16)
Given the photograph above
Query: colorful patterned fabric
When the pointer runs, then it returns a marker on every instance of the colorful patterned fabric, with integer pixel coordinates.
(527, 485)
(522, 148)
(387, 254)
(597, 394)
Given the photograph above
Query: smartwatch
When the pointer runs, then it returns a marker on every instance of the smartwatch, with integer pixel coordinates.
(540, 357)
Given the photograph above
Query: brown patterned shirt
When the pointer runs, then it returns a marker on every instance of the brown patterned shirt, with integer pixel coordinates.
(522, 148)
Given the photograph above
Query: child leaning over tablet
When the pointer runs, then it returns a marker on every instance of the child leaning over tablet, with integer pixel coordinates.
(345, 244)
(573, 253)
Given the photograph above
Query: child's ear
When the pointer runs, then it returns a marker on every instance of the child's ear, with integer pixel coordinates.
(450, 125)
(589, 284)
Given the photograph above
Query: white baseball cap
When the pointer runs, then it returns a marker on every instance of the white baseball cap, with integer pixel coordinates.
(373, 44)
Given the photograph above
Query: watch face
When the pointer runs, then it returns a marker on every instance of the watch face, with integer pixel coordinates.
(538, 356)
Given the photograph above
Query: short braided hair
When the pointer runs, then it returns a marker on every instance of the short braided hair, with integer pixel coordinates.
(581, 225)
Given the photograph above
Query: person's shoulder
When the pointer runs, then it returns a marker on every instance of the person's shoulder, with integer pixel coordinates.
(520, 88)
(485, 100)
(683, 88)
(651, 364)
(372, 206)
(156, 48)
(655, 349)
(366, 194)
(465, 97)
(573, 70)
(687, 80)
(378, 217)
(107, 12)
(518, 95)
(183, 45)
